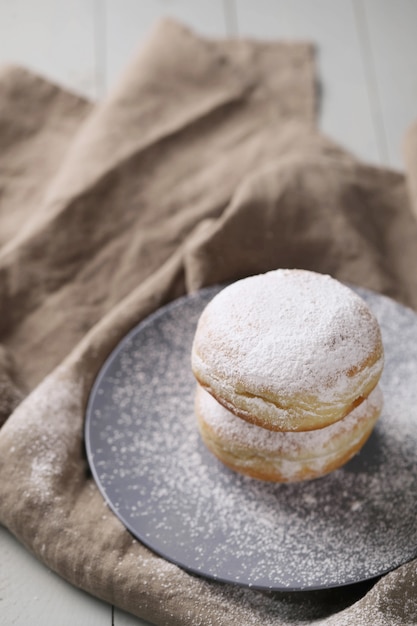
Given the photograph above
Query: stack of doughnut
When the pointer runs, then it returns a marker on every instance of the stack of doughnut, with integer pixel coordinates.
(287, 365)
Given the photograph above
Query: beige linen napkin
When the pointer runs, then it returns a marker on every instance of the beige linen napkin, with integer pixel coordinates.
(204, 165)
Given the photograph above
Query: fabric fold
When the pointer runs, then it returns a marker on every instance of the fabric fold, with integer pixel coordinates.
(188, 174)
(293, 201)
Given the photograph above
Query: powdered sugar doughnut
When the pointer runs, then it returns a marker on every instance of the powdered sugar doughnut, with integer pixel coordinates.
(284, 456)
(289, 350)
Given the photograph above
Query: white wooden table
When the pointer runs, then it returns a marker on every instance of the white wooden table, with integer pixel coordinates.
(367, 58)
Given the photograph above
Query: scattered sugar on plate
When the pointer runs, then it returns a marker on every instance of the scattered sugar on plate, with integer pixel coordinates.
(156, 474)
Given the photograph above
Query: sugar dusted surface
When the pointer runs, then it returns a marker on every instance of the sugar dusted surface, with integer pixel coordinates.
(310, 444)
(155, 472)
(286, 334)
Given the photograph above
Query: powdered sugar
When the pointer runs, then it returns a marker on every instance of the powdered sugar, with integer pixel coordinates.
(291, 445)
(158, 477)
(47, 429)
(289, 334)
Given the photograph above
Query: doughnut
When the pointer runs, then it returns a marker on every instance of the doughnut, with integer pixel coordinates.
(289, 350)
(283, 456)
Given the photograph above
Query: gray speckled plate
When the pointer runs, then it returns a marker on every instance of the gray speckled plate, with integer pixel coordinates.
(172, 494)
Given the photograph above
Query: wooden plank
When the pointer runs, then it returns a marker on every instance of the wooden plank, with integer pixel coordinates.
(129, 21)
(346, 114)
(265, 19)
(392, 31)
(32, 594)
(230, 16)
(52, 37)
